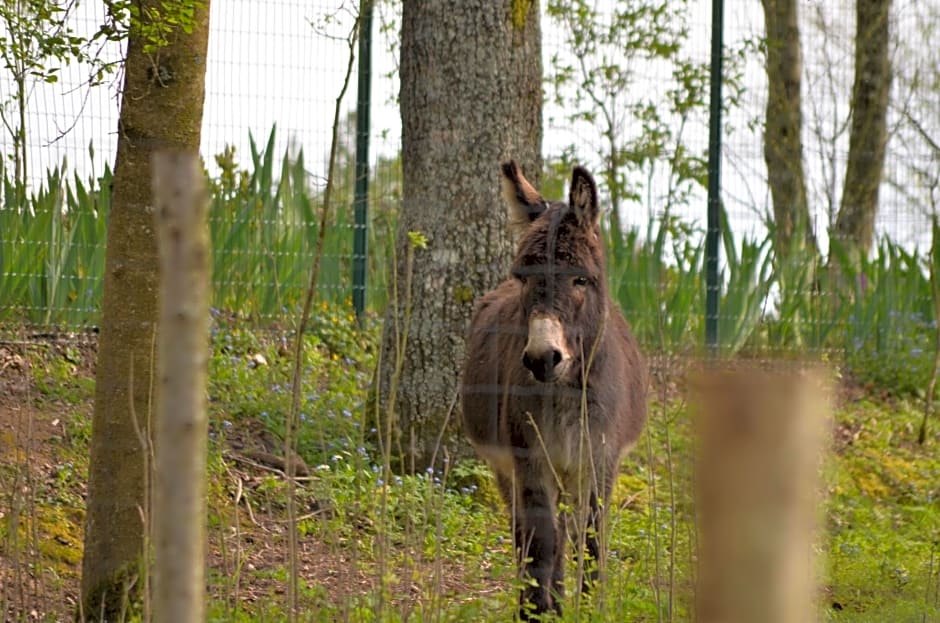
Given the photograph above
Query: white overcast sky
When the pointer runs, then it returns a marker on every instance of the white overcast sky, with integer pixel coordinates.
(267, 63)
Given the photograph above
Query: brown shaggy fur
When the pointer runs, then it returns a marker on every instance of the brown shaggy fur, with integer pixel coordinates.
(560, 438)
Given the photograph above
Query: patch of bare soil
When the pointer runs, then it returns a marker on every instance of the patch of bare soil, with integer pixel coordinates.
(249, 549)
(41, 496)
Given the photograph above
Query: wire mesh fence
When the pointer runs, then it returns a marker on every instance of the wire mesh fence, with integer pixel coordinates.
(272, 80)
(627, 98)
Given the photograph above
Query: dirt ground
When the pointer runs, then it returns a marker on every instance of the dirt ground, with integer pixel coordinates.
(43, 474)
(45, 413)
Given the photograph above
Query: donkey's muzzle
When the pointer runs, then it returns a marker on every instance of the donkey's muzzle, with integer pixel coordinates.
(542, 365)
(546, 353)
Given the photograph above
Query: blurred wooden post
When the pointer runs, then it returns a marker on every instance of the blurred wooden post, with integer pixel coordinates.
(180, 208)
(761, 436)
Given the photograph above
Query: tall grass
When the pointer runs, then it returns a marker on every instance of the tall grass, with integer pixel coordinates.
(656, 278)
(51, 249)
(875, 314)
(263, 228)
(746, 287)
(888, 317)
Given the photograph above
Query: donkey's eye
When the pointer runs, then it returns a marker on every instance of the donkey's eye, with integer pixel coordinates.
(581, 281)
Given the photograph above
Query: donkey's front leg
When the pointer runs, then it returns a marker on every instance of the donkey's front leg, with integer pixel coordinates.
(536, 542)
(558, 576)
(592, 544)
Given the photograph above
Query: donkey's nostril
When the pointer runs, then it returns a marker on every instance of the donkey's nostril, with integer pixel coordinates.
(543, 365)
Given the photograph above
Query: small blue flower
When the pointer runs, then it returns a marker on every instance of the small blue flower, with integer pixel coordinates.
(347, 413)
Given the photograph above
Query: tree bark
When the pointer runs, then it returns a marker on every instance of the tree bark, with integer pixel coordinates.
(868, 135)
(161, 108)
(179, 516)
(471, 97)
(783, 145)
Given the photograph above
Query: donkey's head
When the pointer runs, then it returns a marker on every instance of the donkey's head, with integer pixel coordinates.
(560, 269)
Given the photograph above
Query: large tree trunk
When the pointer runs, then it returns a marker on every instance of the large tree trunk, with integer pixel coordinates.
(161, 108)
(471, 97)
(783, 145)
(868, 135)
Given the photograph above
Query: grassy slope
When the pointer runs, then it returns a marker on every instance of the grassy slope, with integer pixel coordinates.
(416, 546)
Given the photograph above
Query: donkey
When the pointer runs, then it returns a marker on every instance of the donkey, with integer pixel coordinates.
(554, 385)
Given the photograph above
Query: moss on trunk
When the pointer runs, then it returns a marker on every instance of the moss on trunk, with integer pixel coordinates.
(161, 108)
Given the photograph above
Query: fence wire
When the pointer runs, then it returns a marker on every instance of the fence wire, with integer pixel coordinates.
(274, 70)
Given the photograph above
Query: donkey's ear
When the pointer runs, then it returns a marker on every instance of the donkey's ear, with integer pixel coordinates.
(525, 203)
(582, 197)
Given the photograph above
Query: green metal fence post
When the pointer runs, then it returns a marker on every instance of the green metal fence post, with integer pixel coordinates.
(361, 200)
(712, 287)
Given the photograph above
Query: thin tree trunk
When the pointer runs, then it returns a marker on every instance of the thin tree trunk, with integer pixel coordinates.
(471, 97)
(613, 187)
(783, 145)
(868, 136)
(179, 517)
(161, 108)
